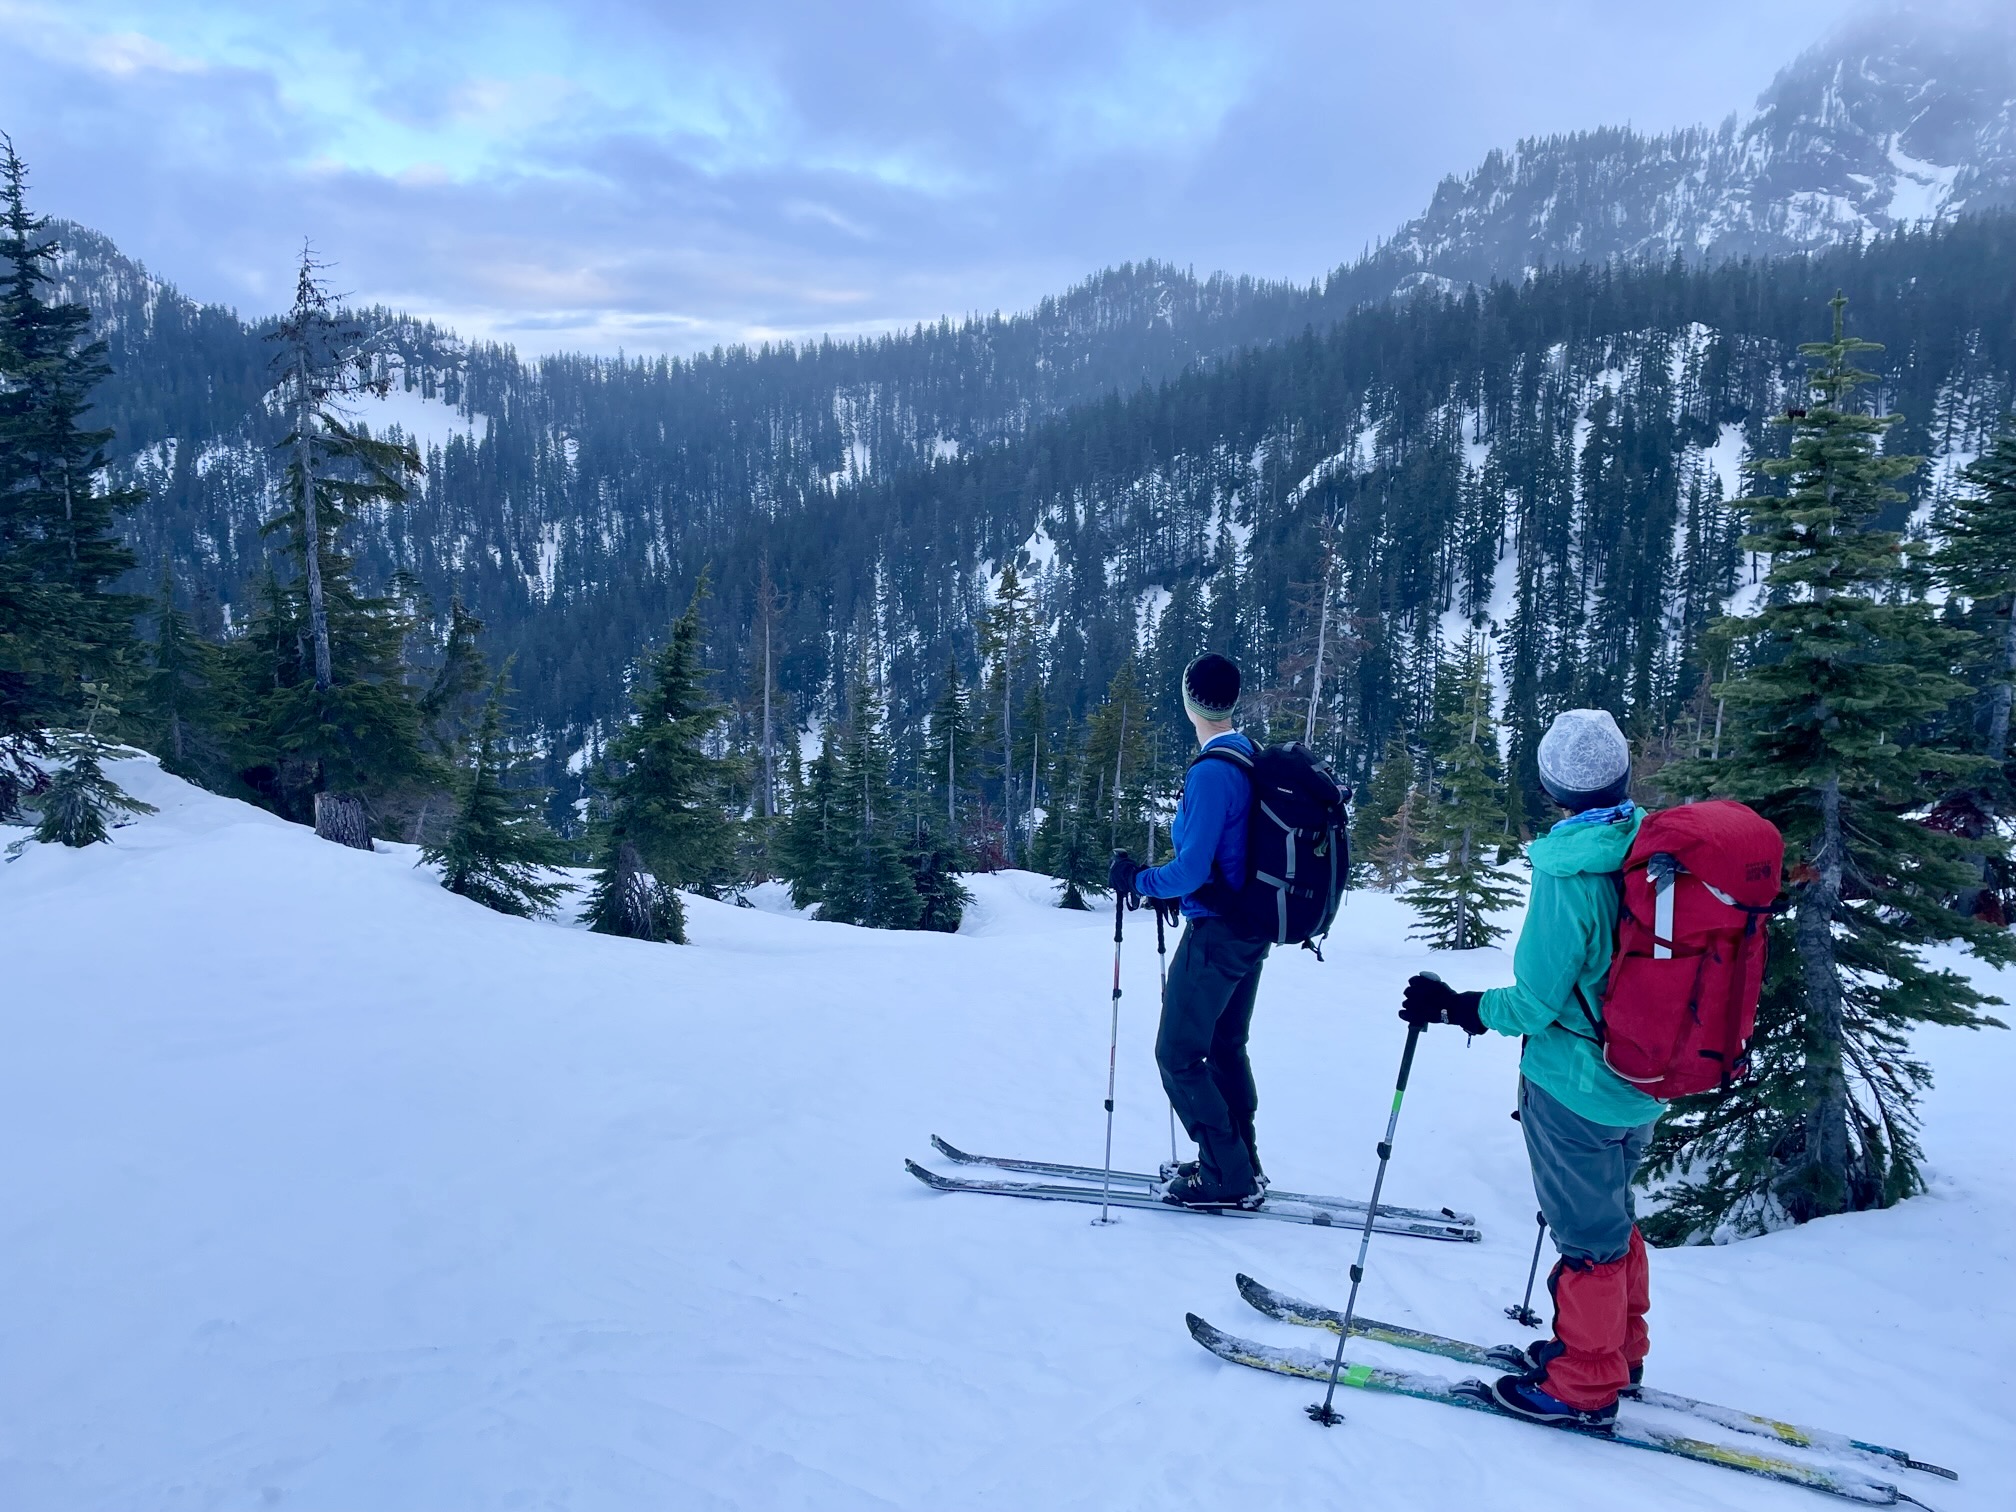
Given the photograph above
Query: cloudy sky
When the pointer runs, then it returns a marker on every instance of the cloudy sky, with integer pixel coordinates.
(659, 177)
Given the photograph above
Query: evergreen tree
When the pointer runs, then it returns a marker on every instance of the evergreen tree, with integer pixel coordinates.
(1386, 830)
(497, 850)
(805, 843)
(625, 899)
(1117, 761)
(1978, 559)
(1844, 662)
(951, 748)
(663, 813)
(458, 699)
(1068, 844)
(182, 713)
(933, 861)
(60, 625)
(1005, 633)
(329, 711)
(1458, 891)
(866, 877)
(81, 802)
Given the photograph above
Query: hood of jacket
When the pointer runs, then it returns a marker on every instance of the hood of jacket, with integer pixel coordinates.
(1569, 849)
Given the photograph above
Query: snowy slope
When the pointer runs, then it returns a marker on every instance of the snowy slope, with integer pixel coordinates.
(323, 1189)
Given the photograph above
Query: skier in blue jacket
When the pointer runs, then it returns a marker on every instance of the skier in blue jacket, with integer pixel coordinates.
(1207, 1010)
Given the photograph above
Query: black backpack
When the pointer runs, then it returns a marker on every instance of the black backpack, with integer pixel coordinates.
(1298, 847)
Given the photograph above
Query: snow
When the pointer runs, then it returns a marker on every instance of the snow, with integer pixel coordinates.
(427, 422)
(1726, 457)
(1923, 190)
(323, 1189)
(1040, 550)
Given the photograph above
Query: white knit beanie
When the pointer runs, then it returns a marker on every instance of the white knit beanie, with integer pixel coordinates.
(1585, 761)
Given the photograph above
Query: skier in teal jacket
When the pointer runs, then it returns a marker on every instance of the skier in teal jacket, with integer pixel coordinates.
(1586, 1128)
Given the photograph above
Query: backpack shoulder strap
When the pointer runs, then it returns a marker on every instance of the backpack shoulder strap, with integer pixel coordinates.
(1581, 997)
(1231, 754)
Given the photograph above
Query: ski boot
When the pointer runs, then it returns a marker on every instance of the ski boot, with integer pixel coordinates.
(1530, 1360)
(1196, 1191)
(1186, 1170)
(1522, 1396)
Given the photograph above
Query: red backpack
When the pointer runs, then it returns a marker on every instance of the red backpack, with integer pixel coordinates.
(1680, 1004)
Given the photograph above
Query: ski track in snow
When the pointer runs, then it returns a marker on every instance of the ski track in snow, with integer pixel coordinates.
(324, 1189)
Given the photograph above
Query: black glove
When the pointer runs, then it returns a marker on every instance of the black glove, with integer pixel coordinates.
(1430, 1000)
(1120, 876)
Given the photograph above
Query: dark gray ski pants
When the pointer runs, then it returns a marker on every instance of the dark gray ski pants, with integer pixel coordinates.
(1201, 1046)
(1582, 1174)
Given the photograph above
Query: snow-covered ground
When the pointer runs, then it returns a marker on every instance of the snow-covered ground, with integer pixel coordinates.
(321, 1188)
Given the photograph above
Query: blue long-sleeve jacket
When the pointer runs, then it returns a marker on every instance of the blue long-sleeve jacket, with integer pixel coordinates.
(1209, 832)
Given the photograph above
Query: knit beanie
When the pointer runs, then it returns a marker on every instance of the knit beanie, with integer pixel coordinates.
(1211, 687)
(1585, 762)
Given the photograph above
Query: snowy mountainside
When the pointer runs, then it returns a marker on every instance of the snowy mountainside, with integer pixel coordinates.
(322, 1189)
(1890, 122)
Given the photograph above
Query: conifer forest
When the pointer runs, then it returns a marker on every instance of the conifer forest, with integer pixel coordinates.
(868, 616)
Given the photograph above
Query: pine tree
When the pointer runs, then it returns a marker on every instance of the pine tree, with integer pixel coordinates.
(81, 801)
(626, 899)
(60, 625)
(1068, 843)
(1844, 661)
(330, 715)
(1978, 559)
(951, 747)
(1385, 830)
(1457, 892)
(1117, 761)
(933, 861)
(866, 878)
(804, 844)
(1005, 633)
(181, 712)
(497, 849)
(663, 813)
(458, 698)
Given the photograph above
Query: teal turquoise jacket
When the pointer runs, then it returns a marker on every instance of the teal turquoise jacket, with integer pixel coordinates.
(1567, 939)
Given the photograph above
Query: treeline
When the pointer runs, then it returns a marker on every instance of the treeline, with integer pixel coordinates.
(1555, 457)
(341, 707)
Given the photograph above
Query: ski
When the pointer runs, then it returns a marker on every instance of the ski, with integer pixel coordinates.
(1144, 1180)
(1849, 1484)
(1277, 1210)
(1312, 1315)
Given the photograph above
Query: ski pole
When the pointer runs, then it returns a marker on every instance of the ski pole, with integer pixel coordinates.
(1523, 1314)
(1162, 960)
(1112, 1053)
(1323, 1413)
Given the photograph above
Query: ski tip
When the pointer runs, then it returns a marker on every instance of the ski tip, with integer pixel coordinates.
(1257, 1295)
(1931, 1469)
(950, 1151)
(1211, 1338)
(929, 1178)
